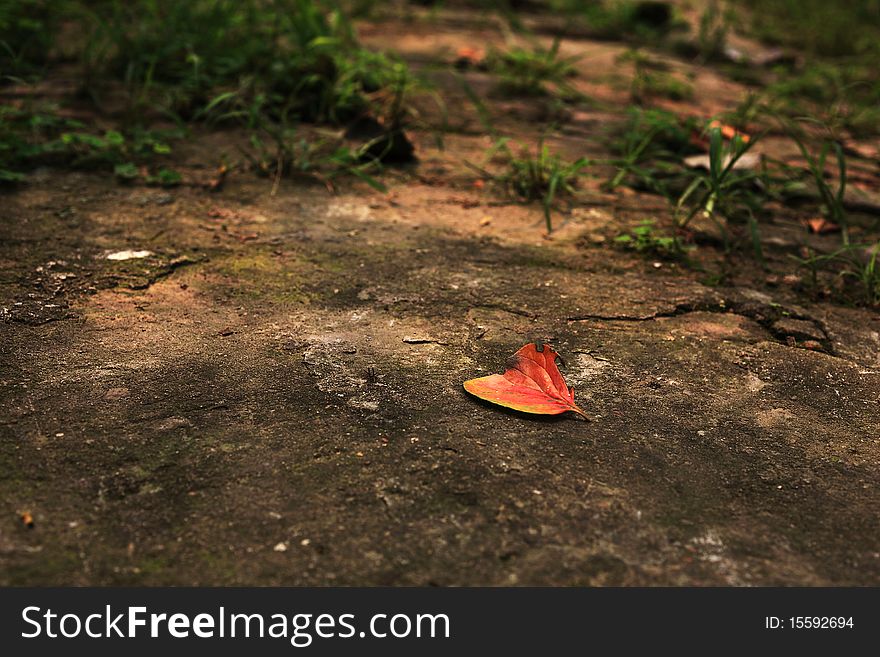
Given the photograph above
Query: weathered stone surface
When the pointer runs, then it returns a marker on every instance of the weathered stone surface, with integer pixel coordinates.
(799, 329)
(271, 394)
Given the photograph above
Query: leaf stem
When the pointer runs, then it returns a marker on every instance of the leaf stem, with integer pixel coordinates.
(577, 409)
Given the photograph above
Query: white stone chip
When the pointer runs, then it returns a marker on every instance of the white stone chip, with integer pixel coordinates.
(128, 255)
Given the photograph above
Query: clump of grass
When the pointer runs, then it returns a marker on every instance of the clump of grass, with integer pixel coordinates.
(164, 177)
(535, 176)
(280, 147)
(292, 57)
(638, 20)
(535, 71)
(645, 239)
(652, 79)
(851, 262)
(27, 31)
(278, 150)
(867, 273)
(855, 263)
(657, 84)
(268, 66)
(823, 28)
(845, 95)
(38, 135)
(25, 138)
(832, 200)
(712, 31)
(838, 47)
(724, 192)
(648, 149)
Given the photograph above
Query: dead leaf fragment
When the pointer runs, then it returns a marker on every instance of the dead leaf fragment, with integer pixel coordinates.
(728, 131)
(217, 182)
(531, 384)
(467, 57)
(821, 226)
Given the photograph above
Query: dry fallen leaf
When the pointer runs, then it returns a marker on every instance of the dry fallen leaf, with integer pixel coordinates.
(467, 56)
(701, 140)
(27, 519)
(728, 131)
(821, 226)
(216, 183)
(531, 384)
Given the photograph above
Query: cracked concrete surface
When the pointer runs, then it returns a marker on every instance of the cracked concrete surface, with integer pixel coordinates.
(305, 388)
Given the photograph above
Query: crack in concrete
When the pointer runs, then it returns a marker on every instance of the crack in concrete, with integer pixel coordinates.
(763, 314)
(507, 309)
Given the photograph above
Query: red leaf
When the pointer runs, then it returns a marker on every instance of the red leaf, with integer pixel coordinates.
(821, 226)
(532, 384)
(471, 55)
